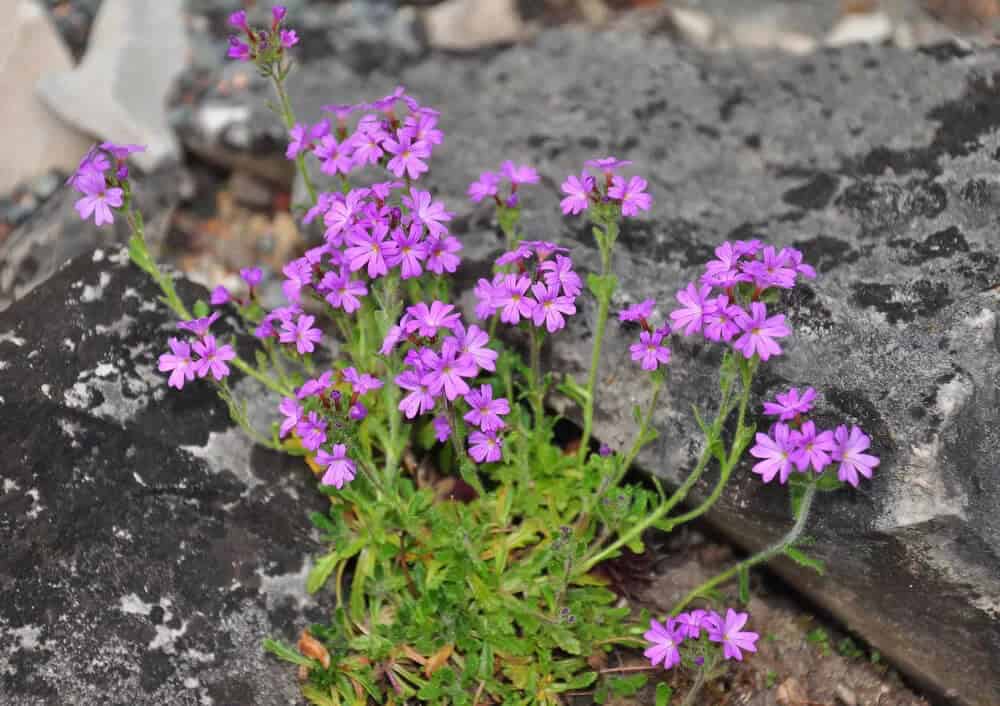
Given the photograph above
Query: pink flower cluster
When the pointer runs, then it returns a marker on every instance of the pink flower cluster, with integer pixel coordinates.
(98, 179)
(546, 270)
(489, 183)
(381, 137)
(799, 446)
(437, 375)
(668, 637)
(650, 351)
(320, 414)
(748, 266)
(260, 42)
(583, 190)
(201, 357)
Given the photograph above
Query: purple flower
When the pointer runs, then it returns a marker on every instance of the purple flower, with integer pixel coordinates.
(212, 357)
(522, 252)
(94, 162)
(691, 624)
(729, 632)
(442, 430)
(357, 412)
(650, 350)
(778, 453)
(485, 447)
(239, 20)
(795, 258)
(485, 186)
(607, 164)
(339, 469)
(487, 295)
(334, 156)
(98, 198)
(361, 382)
(814, 448)
(408, 156)
(311, 431)
(632, 194)
(560, 272)
(304, 137)
(419, 400)
(422, 126)
(289, 38)
(441, 255)
(849, 452)
(302, 334)
(485, 411)
(220, 295)
(512, 300)
(697, 307)
(447, 370)
(342, 291)
(316, 386)
(637, 312)
(427, 212)
(370, 250)
(577, 190)
(367, 144)
(238, 49)
(725, 270)
(720, 323)
(299, 274)
(392, 338)
(278, 14)
(252, 276)
(519, 174)
(790, 404)
(551, 307)
(666, 641)
(773, 270)
(426, 321)
(121, 152)
(410, 252)
(292, 411)
(343, 213)
(473, 342)
(179, 362)
(759, 332)
(199, 327)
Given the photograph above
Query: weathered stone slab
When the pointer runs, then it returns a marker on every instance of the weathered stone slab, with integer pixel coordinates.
(148, 549)
(137, 49)
(881, 166)
(35, 140)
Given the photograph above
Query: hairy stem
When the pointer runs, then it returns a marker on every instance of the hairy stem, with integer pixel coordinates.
(764, 555)
(288, 117)
(537, 393)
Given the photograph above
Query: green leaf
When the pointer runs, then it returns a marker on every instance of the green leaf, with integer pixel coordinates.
(744, 577)
(829, 482)
(663, 694)
(286, 653)
(627, 686)
(574, 390)
(602, 286)
(200, 309)
(805, 560)
(565, 639)
(321, 571)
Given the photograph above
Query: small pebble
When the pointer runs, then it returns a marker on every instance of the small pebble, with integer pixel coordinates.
(845, 696)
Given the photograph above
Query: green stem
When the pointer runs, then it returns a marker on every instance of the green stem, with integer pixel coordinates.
(288, 117)
(643, 428)
(265, 380)
(595, 360)
(537, 393)
(762, 556)
(685, 488)
(699, 682)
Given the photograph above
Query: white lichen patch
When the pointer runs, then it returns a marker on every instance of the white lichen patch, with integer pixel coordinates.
(121, 328)
(98, 255)
(918, 493)
(952, 396)
(119, 258)
(78, 396)
(11, 337)
(228, 451)
(104, 370)
(121, 533)
(46, 389)
(133, 605)
(124, 394)
(165, 636)
(282, 586)
(69, 345)
(9, 486)
(36, 505)
(213, 119)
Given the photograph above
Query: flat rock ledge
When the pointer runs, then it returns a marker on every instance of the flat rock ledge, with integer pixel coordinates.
(148, 547)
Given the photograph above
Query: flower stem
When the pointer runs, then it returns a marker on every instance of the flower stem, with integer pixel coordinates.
(699, 682)
(537, 393)
(643, 428)
(288, 117)
(764, 555)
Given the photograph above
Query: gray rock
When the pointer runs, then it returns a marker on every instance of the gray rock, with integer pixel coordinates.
(35, 139)
(148, 549)
(118, 92)
(55, 234)
(880, 165)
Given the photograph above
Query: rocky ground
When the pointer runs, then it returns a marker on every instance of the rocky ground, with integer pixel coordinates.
(878, 161)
